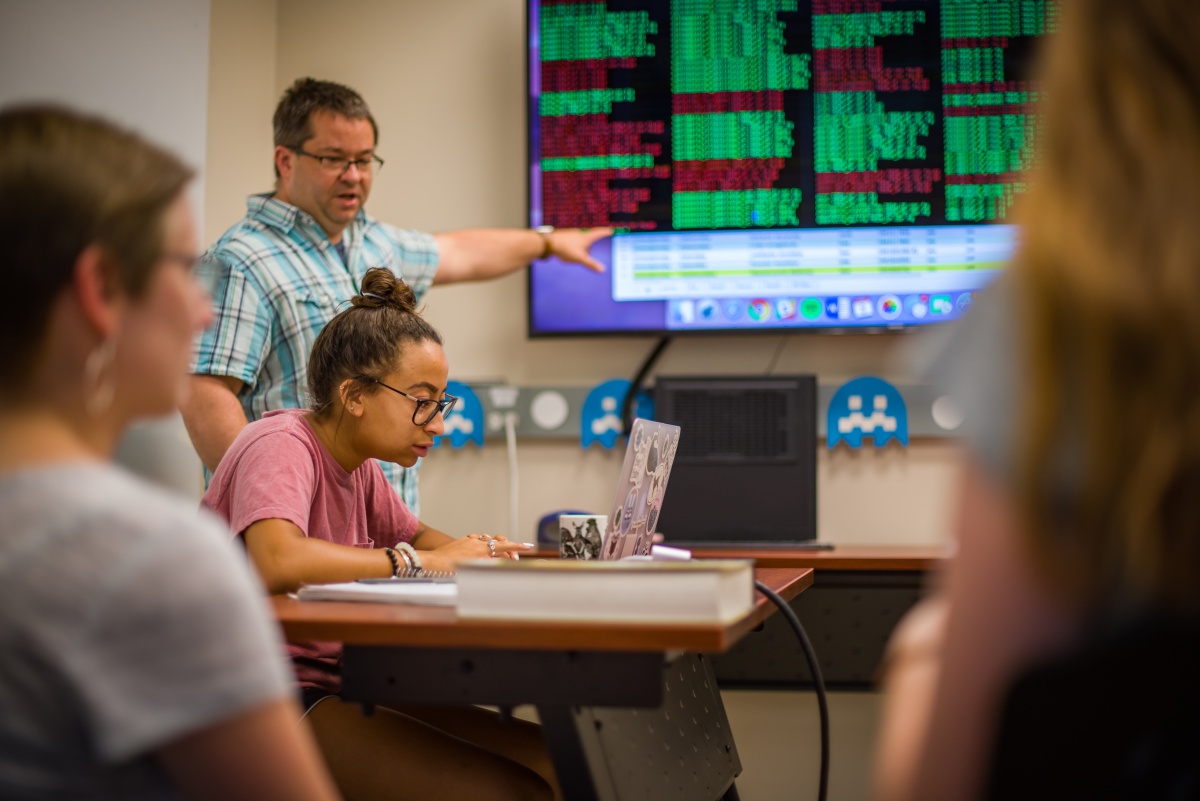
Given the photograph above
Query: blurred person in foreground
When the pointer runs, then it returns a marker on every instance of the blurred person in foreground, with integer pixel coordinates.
(1079, 375)
(137, 658)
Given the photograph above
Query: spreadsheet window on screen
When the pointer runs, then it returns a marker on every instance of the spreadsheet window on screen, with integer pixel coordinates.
(778, 163)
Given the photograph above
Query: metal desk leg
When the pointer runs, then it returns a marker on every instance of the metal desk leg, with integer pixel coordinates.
(680, 751)
(619, 726)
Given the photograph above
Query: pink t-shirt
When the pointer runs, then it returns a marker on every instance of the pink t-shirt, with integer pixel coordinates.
(277, 468)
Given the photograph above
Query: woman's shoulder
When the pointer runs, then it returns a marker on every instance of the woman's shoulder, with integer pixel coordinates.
(86, 496)
(277, 432)
(286, 422)
(90, 486)
(84, 531)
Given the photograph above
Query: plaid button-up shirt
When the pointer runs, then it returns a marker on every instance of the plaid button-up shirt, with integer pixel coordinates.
(275, 281)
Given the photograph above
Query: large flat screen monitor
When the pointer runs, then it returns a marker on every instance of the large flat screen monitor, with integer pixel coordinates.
(777, 164)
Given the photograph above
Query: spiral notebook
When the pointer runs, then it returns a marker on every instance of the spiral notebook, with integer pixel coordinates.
(429, 588)
(398, 591)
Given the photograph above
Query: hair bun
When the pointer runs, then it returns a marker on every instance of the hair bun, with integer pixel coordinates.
(381, 288)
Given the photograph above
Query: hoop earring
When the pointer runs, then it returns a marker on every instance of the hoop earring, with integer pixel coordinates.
(99, 379)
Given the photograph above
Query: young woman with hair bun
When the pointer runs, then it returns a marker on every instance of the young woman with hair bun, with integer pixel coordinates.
(303, 492)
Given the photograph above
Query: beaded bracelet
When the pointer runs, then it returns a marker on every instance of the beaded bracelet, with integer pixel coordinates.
(410, 555)
(391, 555)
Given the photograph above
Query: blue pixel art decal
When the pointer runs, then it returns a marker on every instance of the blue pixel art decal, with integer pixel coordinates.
(866, 406)
(465, 422)
(600, 418)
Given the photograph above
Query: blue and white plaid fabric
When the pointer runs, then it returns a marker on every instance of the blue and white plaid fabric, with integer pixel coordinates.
(275, 281)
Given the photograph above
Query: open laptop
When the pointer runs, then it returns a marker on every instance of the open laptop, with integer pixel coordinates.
(649, 454)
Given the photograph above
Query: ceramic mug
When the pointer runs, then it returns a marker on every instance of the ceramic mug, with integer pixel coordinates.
(581, 536)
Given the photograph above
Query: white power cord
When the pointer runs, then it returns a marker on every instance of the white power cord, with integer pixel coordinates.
(514, 484)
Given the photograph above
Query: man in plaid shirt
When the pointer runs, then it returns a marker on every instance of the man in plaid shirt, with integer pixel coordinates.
(280, 274)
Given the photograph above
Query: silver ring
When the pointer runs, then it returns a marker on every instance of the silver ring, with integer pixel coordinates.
(492, 546)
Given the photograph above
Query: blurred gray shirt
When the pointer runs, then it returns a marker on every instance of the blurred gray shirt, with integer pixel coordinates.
(127, 620)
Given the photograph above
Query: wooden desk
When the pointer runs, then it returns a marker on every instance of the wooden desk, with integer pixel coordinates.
(438, 626)
(627, 709)
(841, 557)
(859, 593)
(870, 558)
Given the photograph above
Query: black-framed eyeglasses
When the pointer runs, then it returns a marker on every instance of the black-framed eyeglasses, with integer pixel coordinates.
(339, 164)
(427, 408)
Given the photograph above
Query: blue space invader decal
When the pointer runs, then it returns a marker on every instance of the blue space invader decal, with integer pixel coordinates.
(600, 418)
(866, 406)
(465, 422)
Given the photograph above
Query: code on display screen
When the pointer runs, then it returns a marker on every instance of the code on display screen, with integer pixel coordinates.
(691, 115)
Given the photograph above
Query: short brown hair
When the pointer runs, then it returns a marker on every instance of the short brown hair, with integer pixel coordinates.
(366, 341)
(69, 181)
(293, 115)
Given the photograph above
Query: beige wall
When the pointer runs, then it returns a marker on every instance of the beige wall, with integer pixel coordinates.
(241, 97)
(446, 82)
(93, 57)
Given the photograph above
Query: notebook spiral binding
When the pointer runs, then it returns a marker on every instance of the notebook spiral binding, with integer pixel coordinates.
(408, 574)
(426, 575)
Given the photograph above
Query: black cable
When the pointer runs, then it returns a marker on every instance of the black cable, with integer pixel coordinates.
(635, 386)
(819, 684)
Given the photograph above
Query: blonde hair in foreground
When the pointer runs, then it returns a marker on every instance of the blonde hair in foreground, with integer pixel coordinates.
(1108, 283)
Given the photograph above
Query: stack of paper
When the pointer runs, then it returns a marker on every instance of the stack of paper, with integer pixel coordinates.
(396, 592)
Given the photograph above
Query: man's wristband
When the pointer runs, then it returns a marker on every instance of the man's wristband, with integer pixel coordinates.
(544, 232)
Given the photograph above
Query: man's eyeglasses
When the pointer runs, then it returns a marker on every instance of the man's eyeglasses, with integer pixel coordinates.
(427, 408)
(338, 164)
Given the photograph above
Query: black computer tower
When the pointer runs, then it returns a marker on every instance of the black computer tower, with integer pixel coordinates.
(746, 469)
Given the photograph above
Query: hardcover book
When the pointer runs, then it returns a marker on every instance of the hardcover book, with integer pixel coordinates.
(698, 591)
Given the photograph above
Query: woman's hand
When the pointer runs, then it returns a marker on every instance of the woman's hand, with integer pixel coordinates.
(473, 546)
